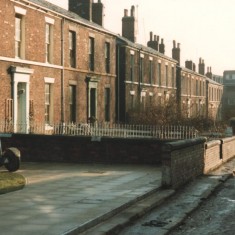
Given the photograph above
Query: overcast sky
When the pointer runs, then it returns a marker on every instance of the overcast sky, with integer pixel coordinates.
(204, 28)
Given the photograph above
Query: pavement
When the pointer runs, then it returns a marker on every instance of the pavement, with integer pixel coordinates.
(70, 198)
(61, 199)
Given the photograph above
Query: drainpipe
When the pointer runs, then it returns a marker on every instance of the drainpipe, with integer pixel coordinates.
(140, 85)
(62, 72)
(118, 84)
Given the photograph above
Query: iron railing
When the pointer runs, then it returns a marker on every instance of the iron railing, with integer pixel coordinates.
(102, 130)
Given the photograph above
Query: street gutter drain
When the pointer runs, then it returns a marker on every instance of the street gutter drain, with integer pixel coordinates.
(155, 223)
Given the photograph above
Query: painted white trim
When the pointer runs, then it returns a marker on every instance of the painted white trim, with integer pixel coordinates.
(141, 55)
(73, 28)
(20, 10)
(21, 75)
(92, 35)
(132, 52)
(150, 93)
(150, 58)
(49, 20)
(21, 70)
(159, 61)
(17, 60)
(132, 92)
(72, 82)
(49, 80)
(143, 93)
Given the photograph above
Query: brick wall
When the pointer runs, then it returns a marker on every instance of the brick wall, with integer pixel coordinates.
(182, 161)
(228, 148)
(34, 58)
(186, 159)
(37, 148)
(212, 157)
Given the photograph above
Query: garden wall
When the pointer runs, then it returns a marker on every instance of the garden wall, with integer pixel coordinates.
(187, 159)
(50, 148)
(181, 160)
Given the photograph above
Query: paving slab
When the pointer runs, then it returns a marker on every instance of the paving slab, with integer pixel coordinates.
(59, 197)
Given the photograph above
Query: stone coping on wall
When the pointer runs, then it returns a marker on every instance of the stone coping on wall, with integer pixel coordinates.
(228, 139)
(176, 145)
(212, 143)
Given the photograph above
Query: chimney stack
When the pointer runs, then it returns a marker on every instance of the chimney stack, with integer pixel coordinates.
(201, 67)
(153, 43)
(189, 64)
(209, 72)
(97, 12)
(176, 52)
(128, 25)
(162, 47)
(82, 7)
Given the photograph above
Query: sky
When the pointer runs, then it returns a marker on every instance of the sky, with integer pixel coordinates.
(204, 28)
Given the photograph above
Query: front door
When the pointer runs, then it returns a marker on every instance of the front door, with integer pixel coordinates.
(20, 82)
(21, 107)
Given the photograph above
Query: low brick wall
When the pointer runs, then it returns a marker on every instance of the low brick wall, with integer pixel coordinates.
(218, 152)
(49, 148)
(213, 155)
(182, 161)
(228, 148)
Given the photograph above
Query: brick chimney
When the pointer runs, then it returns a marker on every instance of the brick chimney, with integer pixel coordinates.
(201, 67)
(153, 43)
(209, 73)
(162, 47)
(189, 64)
(97, 12)
(128, 25)
(81, 7)
(176, 52)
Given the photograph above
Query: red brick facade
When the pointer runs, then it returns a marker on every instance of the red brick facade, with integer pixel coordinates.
(48, 75)
(33, 70)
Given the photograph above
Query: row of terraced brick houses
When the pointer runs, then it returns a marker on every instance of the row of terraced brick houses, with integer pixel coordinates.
(59, 65)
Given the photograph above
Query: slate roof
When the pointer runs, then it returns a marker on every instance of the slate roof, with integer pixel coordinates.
(69, 14)
(142, 47)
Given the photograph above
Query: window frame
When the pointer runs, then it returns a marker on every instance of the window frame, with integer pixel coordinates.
(107, 103)
(91, 53)
(72, 103)
(107, 57)
(132, 67)
(48, 42)
(159, 69)
(72, 49)
(19, 39)
(150, 72)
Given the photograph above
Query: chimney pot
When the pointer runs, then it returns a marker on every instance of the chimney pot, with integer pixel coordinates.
(151, 36)
(178, 45)
(129, 25)
(173, 43)
(158, 38)
(133, 11)
(155, 38)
